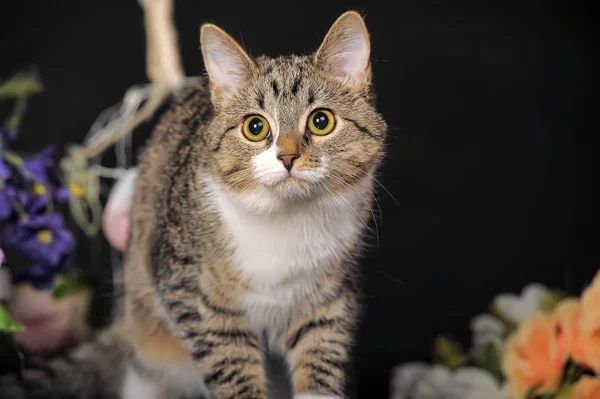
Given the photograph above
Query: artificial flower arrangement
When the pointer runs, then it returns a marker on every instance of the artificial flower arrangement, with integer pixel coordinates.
(43, 302)
(536, 345)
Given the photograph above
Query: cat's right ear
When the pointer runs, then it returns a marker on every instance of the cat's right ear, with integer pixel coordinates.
(226, 62)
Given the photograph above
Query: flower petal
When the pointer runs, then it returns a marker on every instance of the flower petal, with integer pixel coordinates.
(405, 377)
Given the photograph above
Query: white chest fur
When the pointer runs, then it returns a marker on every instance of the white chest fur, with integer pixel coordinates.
(284, 251)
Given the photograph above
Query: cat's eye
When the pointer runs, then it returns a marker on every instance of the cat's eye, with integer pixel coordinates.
(256, 128)
(321, 122)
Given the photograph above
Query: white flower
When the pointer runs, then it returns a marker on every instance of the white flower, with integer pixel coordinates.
(486, 324)
(515, 308)
(487, 330)
(433, 384)
(405, 376)
(422, 381)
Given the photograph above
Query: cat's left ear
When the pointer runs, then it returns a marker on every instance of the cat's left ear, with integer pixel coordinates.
(345, 52)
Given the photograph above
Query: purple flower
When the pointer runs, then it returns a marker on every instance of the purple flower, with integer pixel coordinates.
(41, 167)
(43, 239)
(6, 209)
(1, 256)
(8, 195)
(4, 170)
(40, 275)
(11, 195)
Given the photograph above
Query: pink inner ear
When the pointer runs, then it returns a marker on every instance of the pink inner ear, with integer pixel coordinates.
(350, 56)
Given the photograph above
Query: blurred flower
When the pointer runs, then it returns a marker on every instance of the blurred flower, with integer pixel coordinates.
(4, 169)
(405, 377)
(586, 388)
(43, 238)
(6, 209)
(1, 257)
(41, 168)
(581, 322)
(535, 355)
(474, 383)
(28, 202)
(420, 381)
(115, 220)
(487, 330)
(50, 324)
(581, 349)
(514, 308)
(590, 306)
(40, 275)
(488, 335)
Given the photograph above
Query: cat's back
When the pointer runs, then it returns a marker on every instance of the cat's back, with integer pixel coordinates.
(169, 148)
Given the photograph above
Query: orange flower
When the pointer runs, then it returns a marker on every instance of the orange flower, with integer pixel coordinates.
(535, 355)
(590, 306)
(586, 388)
(568, 312)
(589, 326)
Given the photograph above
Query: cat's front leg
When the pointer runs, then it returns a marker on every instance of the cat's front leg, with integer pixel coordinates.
(222, 344)
(317, 348)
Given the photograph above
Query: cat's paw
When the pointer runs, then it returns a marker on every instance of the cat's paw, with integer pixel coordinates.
(315, 397)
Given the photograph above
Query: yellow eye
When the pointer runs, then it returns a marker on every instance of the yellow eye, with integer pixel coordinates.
(256, 128)
(321, 122)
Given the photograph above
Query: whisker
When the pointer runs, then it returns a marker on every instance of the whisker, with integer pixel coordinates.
(336, 199)
(386, 190)
(366, 202)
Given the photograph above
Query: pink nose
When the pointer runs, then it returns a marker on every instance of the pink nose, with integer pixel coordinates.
(288, 160)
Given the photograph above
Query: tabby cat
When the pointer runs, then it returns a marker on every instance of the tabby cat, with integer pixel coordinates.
(250, 205)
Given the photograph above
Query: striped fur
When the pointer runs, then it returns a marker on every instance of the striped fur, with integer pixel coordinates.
(231, 255)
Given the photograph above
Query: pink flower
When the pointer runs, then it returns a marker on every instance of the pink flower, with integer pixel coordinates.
(50, 325)
(115, 220)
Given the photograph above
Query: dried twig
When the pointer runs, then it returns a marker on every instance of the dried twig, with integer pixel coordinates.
(163, 66)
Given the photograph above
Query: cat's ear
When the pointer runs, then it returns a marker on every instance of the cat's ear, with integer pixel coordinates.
(345, 51)
(226, 61)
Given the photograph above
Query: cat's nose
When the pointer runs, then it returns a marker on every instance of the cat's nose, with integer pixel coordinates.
(288, 160)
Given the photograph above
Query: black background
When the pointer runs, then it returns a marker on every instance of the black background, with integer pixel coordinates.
(491, 156)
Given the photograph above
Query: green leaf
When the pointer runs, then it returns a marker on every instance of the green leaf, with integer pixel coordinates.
(549, 302)
(22, 84)
(448, 352)
(564, 392)
(7, 323)
(572, 374)
(66, 286)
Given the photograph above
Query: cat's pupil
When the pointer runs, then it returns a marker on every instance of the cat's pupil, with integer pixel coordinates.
(320, 120)
(255, 126)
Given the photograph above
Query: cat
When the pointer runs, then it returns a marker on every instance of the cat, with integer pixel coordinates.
(252, 198)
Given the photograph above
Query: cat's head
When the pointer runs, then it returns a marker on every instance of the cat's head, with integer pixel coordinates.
(293, 128)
